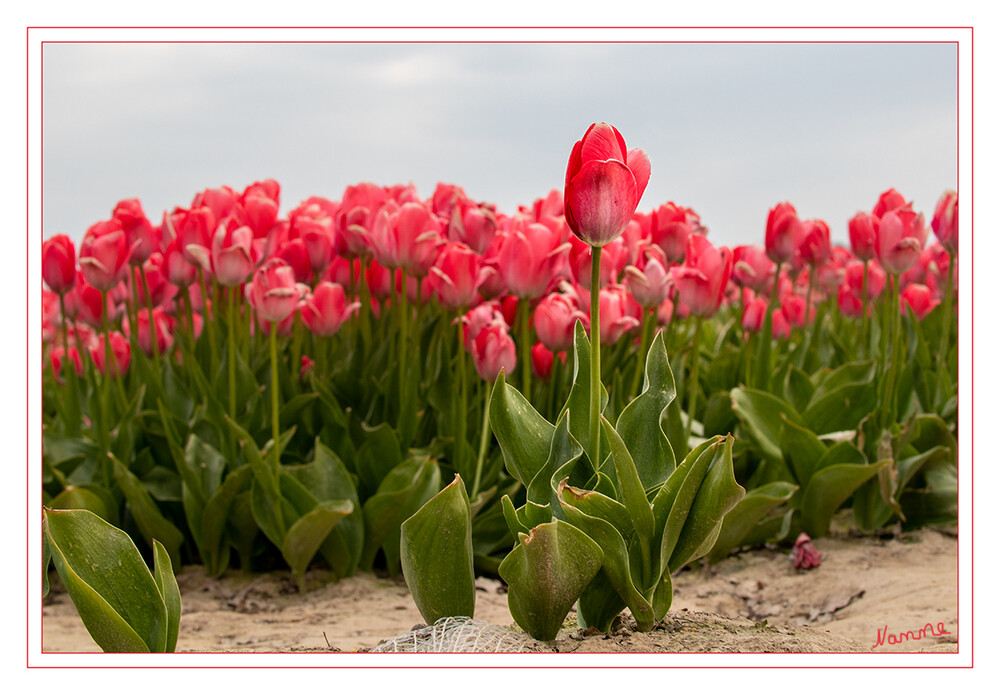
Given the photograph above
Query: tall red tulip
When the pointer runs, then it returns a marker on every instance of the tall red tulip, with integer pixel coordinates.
(59, 263)
(701, 281)
(604, 184)
(918, 298)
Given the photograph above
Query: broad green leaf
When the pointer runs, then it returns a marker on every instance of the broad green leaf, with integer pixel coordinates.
(717, 494)
(803, 448)
(205, 461)
(525, 437)
(877, 500)
(151, 522)
(757, 504)
(830, 488)
(632, 492)
(436, 554)
(265, 471)
(615, 563)
(88, 497)
(679, 492)
(798, 389)
(546, 572)
(306, 535)
(599, 604)
(664, 499)
(215, 515)
(407, 487)
(760, 413)
(663, 596)
(379, 455)
(166, 584)
(564, 451)
(291, 411)
(719, 417)
(640, 425)
(579, 395)
(46, 559)
(841, 452)
(110, 585)
(841, 399)
(514, 521)
(597, 505)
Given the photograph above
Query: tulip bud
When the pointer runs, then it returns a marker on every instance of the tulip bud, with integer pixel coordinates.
(492, 350)
(59, 263)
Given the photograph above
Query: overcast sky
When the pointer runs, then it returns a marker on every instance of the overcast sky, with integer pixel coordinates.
(730, 129)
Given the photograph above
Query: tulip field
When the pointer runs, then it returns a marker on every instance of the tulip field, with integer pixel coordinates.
(580, 396)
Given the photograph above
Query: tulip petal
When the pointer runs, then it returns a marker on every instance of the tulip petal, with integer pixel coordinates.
(603, 142)
(603, 198)
(638, 162)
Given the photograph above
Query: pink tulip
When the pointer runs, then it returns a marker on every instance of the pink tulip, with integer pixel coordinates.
(222, 201)
(143, 332)
(863, 231)
(103, 254)
(613, 258)
(541, 361)
(815, 246)
(326, 308)
(780, 328)
(752, 268)
(472, 224)
(849, 303)
(754, 312)
(670, 227)
(178, 270)
(901, 236)
(260, 203)
(121, 352)
(854, 278)
(530, 258)
(784, 233)
(492, 350)
(887, 202)
(455, 276)
(794, 308)
(193, 229)
(232, 259)
(446, 198)
(381, 280)
(140, 235)
(945, 222)
(355, 219)
(555, 319)
(294, 253)
(618, 312)
(604, 184)
(486, 314)
(701, 281)
(57, 354)
(160, 290)
(805, 554)
(918, 298)
(316, 231)
(273, 292)
(649, 282)
(408, 238)
(59, 263)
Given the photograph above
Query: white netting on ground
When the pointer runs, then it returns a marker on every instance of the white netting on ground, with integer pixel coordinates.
(457, 635)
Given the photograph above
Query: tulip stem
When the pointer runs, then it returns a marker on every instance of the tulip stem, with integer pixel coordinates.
(693, 386)
(209, 324)
(865, 322)
(595, 358)
(70, 369)
(232, 353)
(153, 331)
(889, 411)
(275, 421)
(483, 440)
(463, 403)
(524, 338)
(949, 292)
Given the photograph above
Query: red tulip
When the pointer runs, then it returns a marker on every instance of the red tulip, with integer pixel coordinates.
(919, 298)
(863, 231)
(612, 261)
(120, 350)
(492, 350)
(486, 314)
(754, 312)
(854, 278)
(701, 281)
(795, 310)
(649, 282)
(780, 328)
(342, 271)
(193, 229)
(326, 308)
(541, 361)
(140, 235)
(901, 236)
(784, 233)
(232, 259)
(446, 198)
(472, 224)
(604, 184)
(355, 219)
(530, 258)
(316, 231)
(222, 201)
(57, 354)
(887, 202)
(85, 300)
(178, 270)
(945, 222)
(670, 227)
(103, 255)
(455, 276)
(160, 290)
(849, 303)
(618, 314)
(306, 366)
(752, 268)
(555, 319)
(273, 292)
(815, 246)
(59, 263)
(143, 332)
(294, 253)
(380, 280)
(409, 238)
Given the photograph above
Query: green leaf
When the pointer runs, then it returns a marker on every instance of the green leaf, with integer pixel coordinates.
(377, 456)
(803, 448)
(87, 496)
(595, 504)
(760, 413)
(677, 496)
(842, 399)
(799, 389)
(525, 437)
(46, 559)
(166, 584)
(632, 492)
(830, 488)
(436, 554)
(110, 585)
(215, 515)
(546, 572)
(717, 494)
(152, 524)
(306, 535)
(407, 487)
(564, 453)
(640, 425)
(579, 395)
(757, 504)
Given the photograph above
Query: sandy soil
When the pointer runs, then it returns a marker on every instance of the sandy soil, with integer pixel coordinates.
(755, 601)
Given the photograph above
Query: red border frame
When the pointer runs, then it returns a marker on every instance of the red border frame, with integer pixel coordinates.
(968, 217)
